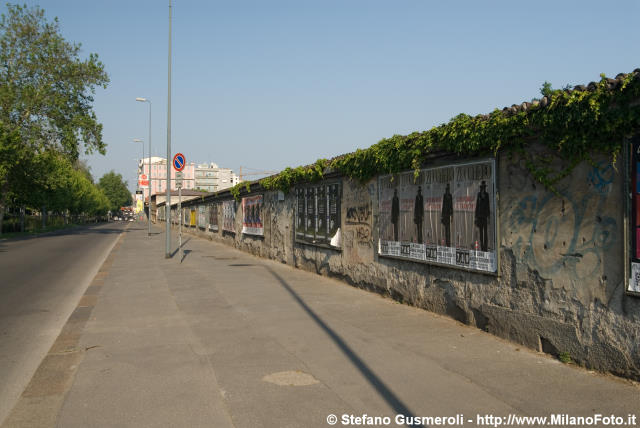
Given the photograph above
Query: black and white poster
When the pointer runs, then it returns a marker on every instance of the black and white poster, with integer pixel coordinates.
(443, 215)
(202, 216)
(228, 215)
(318, 214)
(213, 217)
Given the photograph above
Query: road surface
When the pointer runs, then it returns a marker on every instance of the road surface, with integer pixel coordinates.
(41, 281)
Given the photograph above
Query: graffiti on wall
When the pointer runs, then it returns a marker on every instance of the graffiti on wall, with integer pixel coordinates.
(360, 214)
(573, 234)
(359, 217)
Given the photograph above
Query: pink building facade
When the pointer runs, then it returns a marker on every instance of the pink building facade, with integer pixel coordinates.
(157, 184)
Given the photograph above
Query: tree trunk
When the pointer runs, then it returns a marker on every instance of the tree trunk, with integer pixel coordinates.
(22, 219)
(43, 215)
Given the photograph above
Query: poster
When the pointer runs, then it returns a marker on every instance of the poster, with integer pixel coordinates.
(318, 214)
(310, 215)
(634, 182)
(229, 215)
(139, 201)
(202, 216)
(252, 215)
(634, 278)
(301, 209)
(443, 215)
(213, 217)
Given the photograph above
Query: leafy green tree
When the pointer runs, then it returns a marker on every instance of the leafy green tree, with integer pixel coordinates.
(46, 96)
(115, 189)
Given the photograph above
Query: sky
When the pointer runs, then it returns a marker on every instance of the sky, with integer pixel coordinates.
(270, 84)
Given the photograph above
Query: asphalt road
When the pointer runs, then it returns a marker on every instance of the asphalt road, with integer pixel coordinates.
(41, 281)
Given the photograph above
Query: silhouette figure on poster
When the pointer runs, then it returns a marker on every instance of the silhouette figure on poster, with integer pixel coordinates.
(482, 215)
(395, 213)
(418, 213)
(447, 214)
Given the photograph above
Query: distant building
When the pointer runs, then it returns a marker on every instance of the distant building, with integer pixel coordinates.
(159, 176)
(212, 178)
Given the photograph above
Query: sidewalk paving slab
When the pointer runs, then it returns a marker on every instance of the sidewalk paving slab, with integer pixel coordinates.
(227, 339)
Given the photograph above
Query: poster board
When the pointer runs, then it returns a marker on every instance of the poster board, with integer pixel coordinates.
(633, 285)
(202, 216)
(252, 215)
(229, 216)
(444, 215)
(317, 220)
(213, 217)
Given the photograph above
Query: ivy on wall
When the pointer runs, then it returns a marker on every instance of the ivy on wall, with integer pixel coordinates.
(572, 124)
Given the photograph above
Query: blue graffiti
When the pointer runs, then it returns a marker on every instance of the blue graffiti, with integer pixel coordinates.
(581, 251)
(601, 177)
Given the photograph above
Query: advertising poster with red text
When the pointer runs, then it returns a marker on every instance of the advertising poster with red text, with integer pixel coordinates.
(252, 215)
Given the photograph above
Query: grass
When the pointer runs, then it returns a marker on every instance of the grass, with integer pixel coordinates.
(565, 357)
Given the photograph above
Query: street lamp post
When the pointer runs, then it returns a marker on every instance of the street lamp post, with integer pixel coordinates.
(168, 200)
(145, 100)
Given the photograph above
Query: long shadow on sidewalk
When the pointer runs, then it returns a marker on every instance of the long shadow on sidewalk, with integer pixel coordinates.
(375, 381)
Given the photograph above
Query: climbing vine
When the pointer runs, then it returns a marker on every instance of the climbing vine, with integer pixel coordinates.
(572, 124)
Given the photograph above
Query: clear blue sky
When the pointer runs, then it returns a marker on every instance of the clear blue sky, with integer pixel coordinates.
(271, 84)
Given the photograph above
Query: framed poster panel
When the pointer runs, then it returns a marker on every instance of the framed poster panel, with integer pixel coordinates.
(252, 215)
(633, 285)
(213, 217)
(229, 215)
(317, 212)
(202, 216)
(444, 215)
(301, 210)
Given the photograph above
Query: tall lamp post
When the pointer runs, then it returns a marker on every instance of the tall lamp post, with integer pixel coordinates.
(168, 200)
(138, 140)
(145, 100)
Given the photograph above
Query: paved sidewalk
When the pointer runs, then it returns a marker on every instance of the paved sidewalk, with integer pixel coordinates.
(225, 339)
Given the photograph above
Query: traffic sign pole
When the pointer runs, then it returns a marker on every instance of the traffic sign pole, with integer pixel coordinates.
(180, 214)
(179, 162)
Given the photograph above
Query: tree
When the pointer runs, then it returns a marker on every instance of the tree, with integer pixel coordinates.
(115, 189)
(45, 95)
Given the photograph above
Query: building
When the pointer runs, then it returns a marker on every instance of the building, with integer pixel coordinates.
(159, 176)
(212, 178)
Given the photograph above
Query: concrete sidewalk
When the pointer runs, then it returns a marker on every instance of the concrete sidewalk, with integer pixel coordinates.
(226, 339)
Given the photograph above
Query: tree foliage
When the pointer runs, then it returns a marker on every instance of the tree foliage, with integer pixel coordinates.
(46, 114)
(115, 189)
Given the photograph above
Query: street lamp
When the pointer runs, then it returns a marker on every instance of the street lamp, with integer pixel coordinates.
(168, 200)
(138, 140)
(145, 100)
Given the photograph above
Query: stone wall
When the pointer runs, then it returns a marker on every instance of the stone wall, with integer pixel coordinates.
(560, 286)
